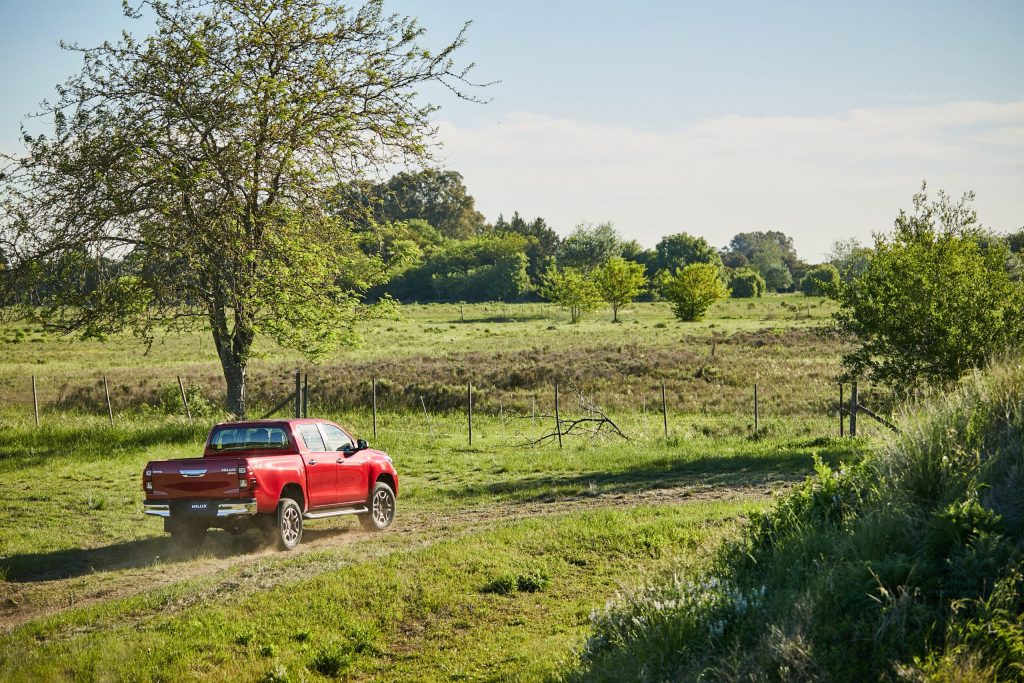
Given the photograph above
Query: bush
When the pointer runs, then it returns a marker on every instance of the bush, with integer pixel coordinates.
(909, 562)
(937, 299)
(820, 280)
(746, 283)
(169, 400)
(693, 290)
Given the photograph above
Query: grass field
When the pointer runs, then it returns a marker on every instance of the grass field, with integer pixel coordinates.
(500, 551)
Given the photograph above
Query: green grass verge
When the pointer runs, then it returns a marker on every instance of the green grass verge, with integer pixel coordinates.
(908, 565)
(426, 614)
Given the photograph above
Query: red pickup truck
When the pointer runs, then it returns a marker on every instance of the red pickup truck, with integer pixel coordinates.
(272, 474)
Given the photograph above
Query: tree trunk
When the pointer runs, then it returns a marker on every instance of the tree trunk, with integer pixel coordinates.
(615, 313)
(233, 349)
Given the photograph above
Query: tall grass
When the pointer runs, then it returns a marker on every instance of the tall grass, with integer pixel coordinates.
(907, 565)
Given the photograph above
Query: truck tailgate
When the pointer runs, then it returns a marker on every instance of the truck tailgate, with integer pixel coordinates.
(196, 478)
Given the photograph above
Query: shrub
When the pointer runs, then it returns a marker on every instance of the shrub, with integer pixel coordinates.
(746, 283)
(936, 300)
(820, 280)
(169, 400)
(909, 562)
(693, 290)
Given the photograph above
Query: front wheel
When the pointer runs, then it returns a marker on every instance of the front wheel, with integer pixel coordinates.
(382, 508)
(286, 531)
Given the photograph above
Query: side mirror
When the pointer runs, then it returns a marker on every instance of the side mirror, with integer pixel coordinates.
(361, 445)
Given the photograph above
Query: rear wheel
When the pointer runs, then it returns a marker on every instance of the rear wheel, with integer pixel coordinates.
(382, 508)
(286, 531)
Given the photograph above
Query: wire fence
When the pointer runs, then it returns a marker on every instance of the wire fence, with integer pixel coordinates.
(645, 408)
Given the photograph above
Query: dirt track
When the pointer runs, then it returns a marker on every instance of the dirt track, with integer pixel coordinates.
(242, 566)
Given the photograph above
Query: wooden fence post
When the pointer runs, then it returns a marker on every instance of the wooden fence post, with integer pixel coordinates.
(110, 409)
(374, 408)
(842, 419)
(298, 393)
(305, 395)
(184, 399)
(35, 400)
(664, 408)
(469, 410)
(756, 416)
(558, 419)
(853, 409)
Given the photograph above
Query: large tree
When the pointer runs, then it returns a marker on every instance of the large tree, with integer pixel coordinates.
(206, 154)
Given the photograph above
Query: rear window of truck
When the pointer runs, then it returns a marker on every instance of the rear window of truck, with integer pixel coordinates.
(248, 438)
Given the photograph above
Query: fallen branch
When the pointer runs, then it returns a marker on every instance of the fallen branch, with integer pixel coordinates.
(593, 426)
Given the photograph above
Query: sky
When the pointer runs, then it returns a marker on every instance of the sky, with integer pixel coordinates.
(820, 119)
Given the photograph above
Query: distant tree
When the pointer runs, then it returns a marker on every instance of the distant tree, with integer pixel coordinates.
(1015, 240)
(749, 243)
(771, 253)
(693, 290)
(619, 282)
(490, 267)
(438, 197)
(849, 257)
(542, 246)
(734, 259)
(210, 151)
(588, 246)
(935, 301)
(820, 281)
(746, 283)
(680, 250)
(571, 289)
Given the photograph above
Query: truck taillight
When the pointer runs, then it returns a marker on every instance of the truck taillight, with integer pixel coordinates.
(246, 479)
(147, 480)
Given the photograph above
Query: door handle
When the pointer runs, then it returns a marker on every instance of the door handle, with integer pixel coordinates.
(311, 462)
(340, 461)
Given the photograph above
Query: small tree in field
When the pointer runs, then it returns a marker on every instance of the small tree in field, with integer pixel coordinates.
(693, 290)
(820, 280)
(571, 289)
(618, 282)
(206, 159)
(936, 300)
(746, 283)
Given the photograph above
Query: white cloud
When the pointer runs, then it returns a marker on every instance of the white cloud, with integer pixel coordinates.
(816, 178)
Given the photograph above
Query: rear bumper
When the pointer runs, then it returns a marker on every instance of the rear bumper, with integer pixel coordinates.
(206, 508)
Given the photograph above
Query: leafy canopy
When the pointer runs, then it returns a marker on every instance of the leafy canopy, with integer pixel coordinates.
(588, 246)
(746, 283)
(693, 290)
(618, 282)
(820, 280)
(206, 156)
(571, 289)
(936, 300)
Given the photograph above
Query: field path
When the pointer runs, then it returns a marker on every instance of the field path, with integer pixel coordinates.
(240, 566)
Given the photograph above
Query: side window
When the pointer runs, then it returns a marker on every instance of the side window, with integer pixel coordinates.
(336, 438)
(311, 437)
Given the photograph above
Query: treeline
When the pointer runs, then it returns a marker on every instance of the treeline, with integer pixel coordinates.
(438, 247)
(423, 229)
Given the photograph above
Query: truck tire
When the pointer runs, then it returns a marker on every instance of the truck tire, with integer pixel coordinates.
(188, 535)
(286, 531)
(382, 508)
